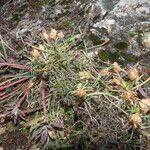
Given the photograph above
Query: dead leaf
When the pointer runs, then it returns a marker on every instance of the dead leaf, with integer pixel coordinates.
(52, 135)
(58, 124)
(145, 105)
(62, 134)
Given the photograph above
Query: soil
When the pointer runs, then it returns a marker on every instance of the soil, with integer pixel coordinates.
(12, 137)
(14, 140)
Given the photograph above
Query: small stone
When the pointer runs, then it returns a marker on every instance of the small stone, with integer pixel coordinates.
(146, 39)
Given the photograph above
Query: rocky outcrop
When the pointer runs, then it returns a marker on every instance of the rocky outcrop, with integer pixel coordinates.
(127, 25)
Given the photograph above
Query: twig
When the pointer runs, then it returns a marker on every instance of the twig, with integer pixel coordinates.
(141, 84)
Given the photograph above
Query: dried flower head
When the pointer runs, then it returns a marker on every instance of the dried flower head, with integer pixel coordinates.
(133, 74)
(145, 105)
(45, 35)
(35, 54)
(116, 81)
(53, 34)
(84, 75)
(116, 67)
(104, 72)
(80, 92)
(136, 120)
(128, 96)
(60, 35)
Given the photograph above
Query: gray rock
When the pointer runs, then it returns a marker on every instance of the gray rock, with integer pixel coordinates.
(146, 39)
(106, 5)
(127, 21)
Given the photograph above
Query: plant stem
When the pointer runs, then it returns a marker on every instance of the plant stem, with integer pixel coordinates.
(42, 91)
(141, 84)
(22, 98)
(17, 66)
(31, 110)
(12, 84)
(2, 94)
(10, 95)
(107, 94)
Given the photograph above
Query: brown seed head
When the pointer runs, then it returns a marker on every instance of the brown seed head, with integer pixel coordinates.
(35, 54)
(80, 92)
(145, 105)
(60, 35)
(128, 96)
(104, 72)
(117, 81)
(133, 74)
(136, 120)
(53, 34)
(116, 67)
(45, 35)
(84, 75)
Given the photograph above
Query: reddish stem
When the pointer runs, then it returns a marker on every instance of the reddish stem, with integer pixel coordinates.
(42, 91)
(13, 93)
(27, 111)
(12, 84)
(43, 99)
(2, 94)
(6, 96)
(17, 66)
(26, 92)
(1, 55)
(146, 71)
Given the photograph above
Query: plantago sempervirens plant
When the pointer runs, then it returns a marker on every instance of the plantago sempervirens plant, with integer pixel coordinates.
(53, 80)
